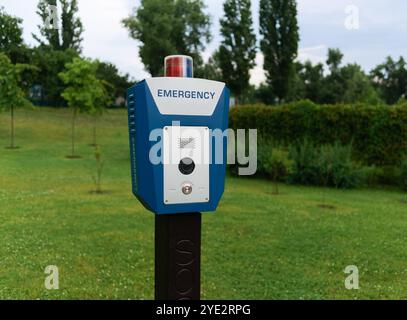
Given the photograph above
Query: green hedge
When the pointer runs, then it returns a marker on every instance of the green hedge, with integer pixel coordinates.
(378, 134)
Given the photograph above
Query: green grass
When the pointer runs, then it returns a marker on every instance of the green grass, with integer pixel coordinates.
(257, 245)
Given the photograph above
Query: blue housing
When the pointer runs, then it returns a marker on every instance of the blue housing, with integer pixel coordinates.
(147, 179)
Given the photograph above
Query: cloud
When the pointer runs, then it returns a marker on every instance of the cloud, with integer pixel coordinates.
(105, 37)
(382, 26)
(315, 54)
(258, 75)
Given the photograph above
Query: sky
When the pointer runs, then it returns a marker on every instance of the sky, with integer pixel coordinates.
(366, 31)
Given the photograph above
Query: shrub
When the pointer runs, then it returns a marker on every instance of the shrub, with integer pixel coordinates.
(272, 159)
(336, 168)
(378, 133)
(305, 164)
(387, 175)
(402, 102)
(403, 174)
(264, 152)
(328, 165)
(367, 176)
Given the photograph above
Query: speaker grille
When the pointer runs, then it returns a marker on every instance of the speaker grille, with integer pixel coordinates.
(187, 143)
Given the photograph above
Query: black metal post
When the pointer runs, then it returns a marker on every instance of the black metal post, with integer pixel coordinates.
(178, 256)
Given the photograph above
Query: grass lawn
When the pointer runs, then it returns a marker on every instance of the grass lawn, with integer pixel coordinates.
(257, 246)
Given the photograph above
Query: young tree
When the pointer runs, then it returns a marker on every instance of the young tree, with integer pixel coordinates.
(96, 113)
(68, 35)
(101, 103)
(390, 79)
(84, 91)
(11, 95)
(99, 165)
(237, 51)
(279, 43)
(165, 27)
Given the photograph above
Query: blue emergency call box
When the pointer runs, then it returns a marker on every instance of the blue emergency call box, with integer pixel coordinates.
(175, 163)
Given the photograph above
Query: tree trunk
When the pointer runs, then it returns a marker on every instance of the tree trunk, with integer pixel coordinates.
(73, 131)
(94, 131)
(12, 146)
(275, 180)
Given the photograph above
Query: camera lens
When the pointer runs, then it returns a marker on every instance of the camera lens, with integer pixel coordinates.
(186, 166)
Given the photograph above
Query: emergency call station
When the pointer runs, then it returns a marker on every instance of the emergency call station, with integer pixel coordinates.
(171, 121)
(175, 167)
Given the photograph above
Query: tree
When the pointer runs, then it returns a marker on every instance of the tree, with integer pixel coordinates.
(279, 43)
(313, 78)
(51, 62)
(116, 84)
(191, 30)
(84, 92)
(211, 70)
(237, 51)
(297, 87)
(113, 85)
(11, 37)
(357, 86)
(390, 79)
(68, 35)
(264, 95)
(347, 84)
(334, 60)
(101, 102)
(11, 95)
(99, 165)
(333, 85)
(165, 27)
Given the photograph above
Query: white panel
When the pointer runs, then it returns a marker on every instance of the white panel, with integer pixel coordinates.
(185, 96)
(186, 142)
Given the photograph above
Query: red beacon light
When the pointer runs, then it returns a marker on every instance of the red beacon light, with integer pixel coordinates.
(179, 66)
